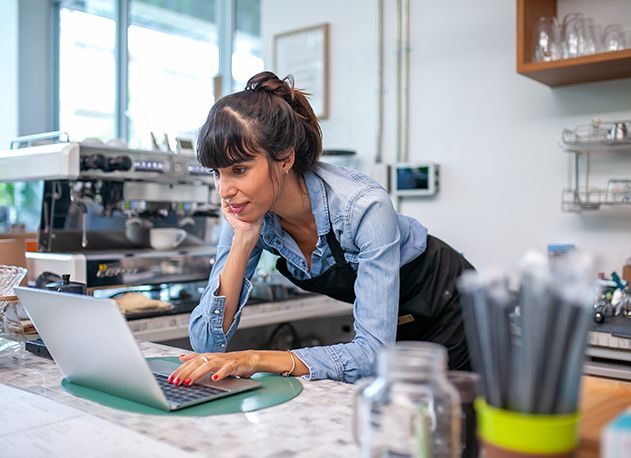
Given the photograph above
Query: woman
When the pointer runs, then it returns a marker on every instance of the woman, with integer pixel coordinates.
(336, 233)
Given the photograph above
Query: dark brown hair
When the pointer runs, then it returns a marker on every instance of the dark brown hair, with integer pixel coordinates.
(269, 116)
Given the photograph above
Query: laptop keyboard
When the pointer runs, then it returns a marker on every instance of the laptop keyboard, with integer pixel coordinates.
(180, 394)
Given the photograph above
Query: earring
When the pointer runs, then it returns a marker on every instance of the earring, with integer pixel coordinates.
(286, 172)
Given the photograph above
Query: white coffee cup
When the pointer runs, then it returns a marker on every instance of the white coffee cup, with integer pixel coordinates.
(165, 238)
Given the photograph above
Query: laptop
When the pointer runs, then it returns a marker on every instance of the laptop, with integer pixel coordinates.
(92, 345)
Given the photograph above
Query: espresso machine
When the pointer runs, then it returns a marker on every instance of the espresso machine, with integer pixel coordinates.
(100, 205)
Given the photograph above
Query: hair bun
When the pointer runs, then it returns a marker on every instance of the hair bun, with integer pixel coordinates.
(270, 83)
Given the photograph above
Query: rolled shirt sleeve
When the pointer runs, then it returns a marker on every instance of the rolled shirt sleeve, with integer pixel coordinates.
(373, 222)
(206, 324)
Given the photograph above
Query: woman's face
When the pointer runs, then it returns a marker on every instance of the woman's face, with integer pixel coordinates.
(247, 187)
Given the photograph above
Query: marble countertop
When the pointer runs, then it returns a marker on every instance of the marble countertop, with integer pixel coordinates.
(316, 423)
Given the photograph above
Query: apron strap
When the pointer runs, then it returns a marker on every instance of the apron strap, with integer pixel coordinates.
(336, 249)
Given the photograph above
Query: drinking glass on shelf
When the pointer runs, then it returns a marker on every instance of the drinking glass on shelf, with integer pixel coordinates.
(598, 37)
(569, 136)
(571, 35)
(546, 37)
(587, 38)
(614, 38)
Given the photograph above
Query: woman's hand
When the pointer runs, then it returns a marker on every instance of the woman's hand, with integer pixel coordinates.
(197, 365)
(248, 230)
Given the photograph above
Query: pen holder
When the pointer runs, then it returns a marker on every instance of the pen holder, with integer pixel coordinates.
(508, 434)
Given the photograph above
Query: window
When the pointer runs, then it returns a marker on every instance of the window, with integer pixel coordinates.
(172, 55)
(87, 83)
(247, 55)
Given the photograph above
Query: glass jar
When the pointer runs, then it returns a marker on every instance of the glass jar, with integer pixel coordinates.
(602, 309)
(11, 330)
(12, 336)
(467, 385)
(410, 409)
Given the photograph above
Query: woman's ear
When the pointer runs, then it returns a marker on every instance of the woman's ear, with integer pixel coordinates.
(288, 162)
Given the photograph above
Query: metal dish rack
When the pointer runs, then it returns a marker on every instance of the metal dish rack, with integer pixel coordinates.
(583, 141)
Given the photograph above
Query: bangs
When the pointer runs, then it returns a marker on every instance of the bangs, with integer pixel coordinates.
(226, 139)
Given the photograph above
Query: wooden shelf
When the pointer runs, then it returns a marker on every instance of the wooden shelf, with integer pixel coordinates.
(602, 400)
(596, 67)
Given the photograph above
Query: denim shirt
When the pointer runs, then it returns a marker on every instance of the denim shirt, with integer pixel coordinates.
(376, 240)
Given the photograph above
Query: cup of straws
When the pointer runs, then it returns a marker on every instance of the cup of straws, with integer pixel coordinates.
(528, 346)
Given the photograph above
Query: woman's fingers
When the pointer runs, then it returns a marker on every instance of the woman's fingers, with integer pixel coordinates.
(186, 358)
(176, 374)
(221, 366)
(196, 366)
(224, 371)
(225, 208)
(179, 375)
(200, 371)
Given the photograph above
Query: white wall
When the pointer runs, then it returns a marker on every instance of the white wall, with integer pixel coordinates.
(353, 58)
(494, 132)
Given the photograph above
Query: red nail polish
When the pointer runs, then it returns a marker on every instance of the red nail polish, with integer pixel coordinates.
(215, 377)
(170, 379)
(187, 381)
(182, 355)
(177, 381)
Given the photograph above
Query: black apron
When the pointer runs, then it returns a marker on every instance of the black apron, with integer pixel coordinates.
(429, 309)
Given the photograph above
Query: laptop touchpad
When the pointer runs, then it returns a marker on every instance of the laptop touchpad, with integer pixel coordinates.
(160, 366)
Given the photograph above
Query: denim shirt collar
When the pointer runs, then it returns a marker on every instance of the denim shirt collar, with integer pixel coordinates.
(319, 208)
(319, 204)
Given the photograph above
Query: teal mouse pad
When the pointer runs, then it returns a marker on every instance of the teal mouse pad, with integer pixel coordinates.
(274, 390)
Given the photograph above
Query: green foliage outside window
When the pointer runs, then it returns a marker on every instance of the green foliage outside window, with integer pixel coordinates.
(20, 205)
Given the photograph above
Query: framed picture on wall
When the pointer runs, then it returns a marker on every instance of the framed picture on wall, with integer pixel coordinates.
(304, 53)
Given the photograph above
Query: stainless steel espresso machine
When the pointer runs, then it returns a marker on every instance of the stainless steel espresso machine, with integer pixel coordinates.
(100, 207)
